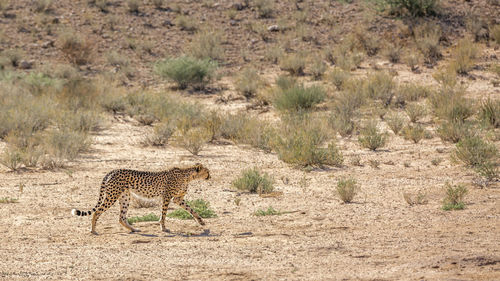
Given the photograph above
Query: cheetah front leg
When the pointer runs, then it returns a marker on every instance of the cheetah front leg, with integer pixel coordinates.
(166, 202)
(180, 201)
(124, 203)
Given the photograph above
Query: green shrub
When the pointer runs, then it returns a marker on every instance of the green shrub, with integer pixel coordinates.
(415, 8)
(251, 180)
(347, 189)
(474, 152)
(149, 217)
(489, 112)
(454, 197)
(488, 170)
(200, 206)
(187, 71)
(299, 144)
(248, 82)
(7, 200)
(269, 212)
(299, 97)
(371, 138)
(396, 123)
(207, 45)
(293, 63)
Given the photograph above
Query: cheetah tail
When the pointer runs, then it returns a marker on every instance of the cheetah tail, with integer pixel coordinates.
(76, 212)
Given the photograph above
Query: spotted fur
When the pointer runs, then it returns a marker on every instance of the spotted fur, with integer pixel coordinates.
(118, 184)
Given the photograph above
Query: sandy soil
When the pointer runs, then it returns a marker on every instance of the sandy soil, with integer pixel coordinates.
(378, 237)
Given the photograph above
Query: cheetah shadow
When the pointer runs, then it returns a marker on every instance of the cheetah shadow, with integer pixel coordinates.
(205, 233)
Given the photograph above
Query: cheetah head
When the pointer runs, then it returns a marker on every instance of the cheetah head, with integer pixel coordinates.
(201, 172)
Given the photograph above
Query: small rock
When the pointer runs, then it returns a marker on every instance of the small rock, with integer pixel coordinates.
(273, 28)
(24, 64)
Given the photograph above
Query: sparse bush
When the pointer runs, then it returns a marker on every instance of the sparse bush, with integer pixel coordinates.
(414, 133)
(368, 41)
(454, 131)
(77, 49)
(415, 111)
(347, 189)
(489, 112)
(187, 71)
(244, 129)
(371, 138)
(206, 44)
(158, 3)
(464, 55)
(474, 152)
(454, 197)
(317, 68)
(248, 82)
(161, 134)
(149, 217)
(300, 141)
(269, 212)
(412, 92)
(342, 123)
(13, 56)
(265, 8)
(298, 97)
(419, 198)
(415, 8)
(200, 206)
(393, 52)
(396, 123)
(186, 23)
(11, 158)
(118, 60)
(42, 6)
(380, 86)
(252, 181)
(273, 54)
(133, 6)
(193, 139)
(213, 124)
(488, 170)
(63, 145)
(495, 33)
(293, 63)
(427, 38)
(338, 77)
(413, 60)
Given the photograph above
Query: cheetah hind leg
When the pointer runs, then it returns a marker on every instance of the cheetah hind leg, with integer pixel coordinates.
(124, 203)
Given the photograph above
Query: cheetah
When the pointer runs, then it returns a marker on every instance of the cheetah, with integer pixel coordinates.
(169, 184)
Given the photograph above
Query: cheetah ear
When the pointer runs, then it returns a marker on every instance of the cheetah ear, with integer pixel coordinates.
(198, 167)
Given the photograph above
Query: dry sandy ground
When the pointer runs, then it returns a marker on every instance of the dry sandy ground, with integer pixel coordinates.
(378, 237)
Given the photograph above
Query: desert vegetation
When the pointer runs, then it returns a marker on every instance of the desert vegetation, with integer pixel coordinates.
(305, 106)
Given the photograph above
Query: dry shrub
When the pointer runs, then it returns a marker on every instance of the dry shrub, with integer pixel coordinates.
(427, 38)
(193, 139)
(370, 137)
(412, 92)
(414, 133)
(454, 197)
(76, 48)
(161, 134)
(347, 189)
(419, 198)
(454, 131)
(186, 23)
(495, 33)
(474, 152)
(393, 52)
(380, 86)
(248, 82)
(248, 130)
(396, 122)
(317, 68)
(415, 111)
(338, 77)
(464, 55)
(369, 42)
(293, 63)
(11, 158)
(489, 112)
(265, 8)
(206, 44)
(62, 145)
